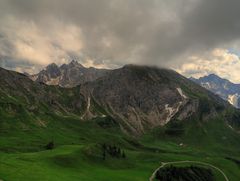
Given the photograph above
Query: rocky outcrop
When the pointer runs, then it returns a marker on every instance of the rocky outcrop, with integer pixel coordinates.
(68, 75)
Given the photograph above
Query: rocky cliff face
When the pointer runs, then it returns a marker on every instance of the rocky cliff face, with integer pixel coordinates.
(142, 98)
(67, 75)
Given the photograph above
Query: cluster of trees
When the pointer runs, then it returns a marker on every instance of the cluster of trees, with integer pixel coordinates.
(191, 173)
(112, 151)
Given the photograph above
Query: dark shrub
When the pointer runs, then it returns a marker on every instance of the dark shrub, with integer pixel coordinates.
(49, 146)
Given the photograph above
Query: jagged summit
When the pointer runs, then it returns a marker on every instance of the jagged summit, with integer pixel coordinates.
(75, 63)
(67, 75)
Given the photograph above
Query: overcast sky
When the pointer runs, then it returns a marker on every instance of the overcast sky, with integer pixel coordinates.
(194, 37)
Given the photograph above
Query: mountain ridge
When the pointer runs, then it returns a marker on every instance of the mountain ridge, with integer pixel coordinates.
(67, 75)
(222, 87)
(138, 97)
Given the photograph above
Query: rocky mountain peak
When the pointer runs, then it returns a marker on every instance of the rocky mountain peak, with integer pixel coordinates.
(52, 70)
(214, 78)
(222, 87)
(52, 66)
(75, 63)
(212, 75)
(67, 75)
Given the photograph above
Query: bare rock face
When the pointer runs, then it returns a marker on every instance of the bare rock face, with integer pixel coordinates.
(50, 75)
(142, 98)
(191, 107)
(67, 75)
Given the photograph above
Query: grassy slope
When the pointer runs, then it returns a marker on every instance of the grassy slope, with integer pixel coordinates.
(77, 155)
(210, 142)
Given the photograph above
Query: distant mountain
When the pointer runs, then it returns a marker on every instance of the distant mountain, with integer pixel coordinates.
(222, 87)
(67, 75)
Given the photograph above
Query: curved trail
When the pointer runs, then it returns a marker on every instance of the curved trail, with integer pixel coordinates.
(197, 162)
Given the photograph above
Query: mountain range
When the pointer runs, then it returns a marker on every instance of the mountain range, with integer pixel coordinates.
(73, 74)
(87, 117)
(67, 75)
(139, 98)
(221, 87)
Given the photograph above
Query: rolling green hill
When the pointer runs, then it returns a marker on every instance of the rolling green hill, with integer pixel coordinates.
(127, 110)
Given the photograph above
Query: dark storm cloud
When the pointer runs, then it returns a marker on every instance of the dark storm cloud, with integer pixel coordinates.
(212, 23)
(126, 31)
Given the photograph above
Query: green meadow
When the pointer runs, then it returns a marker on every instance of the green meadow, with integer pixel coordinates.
(77, 152)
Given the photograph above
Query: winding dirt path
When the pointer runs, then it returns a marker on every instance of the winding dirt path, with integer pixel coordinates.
(179, 162)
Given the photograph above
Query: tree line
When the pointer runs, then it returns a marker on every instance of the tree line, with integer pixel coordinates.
(112, 151)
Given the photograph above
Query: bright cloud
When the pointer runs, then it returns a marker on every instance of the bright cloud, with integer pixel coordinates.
(219, 61)
(41, 46)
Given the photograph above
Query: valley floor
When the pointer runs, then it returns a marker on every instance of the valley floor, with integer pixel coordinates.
(76, 162)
